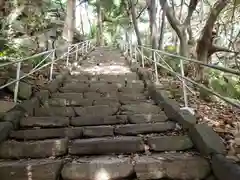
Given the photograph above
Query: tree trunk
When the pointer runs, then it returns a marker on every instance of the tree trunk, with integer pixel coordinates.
(162, 28)
(69, 25)
(100, 25)
(205, 44)
(135, 23)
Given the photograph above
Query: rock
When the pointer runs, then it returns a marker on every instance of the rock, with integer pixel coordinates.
(147, 118)
(172, 166)
(92, 120)
(5, 106)
(25, 89)
(5, 128)
(106, 101)
(116, 168)
(40, 134)
(41, 169)
(14, 116)
(29, 105)
(92, 95)
(75, 87)
(145, 108)
(206, 140)
(101, 110)
(97, 131)
(47, 122)
(54, 111)
(106, 145)
(225, 169)
(169, 143)
(35, 149)
(135, 129)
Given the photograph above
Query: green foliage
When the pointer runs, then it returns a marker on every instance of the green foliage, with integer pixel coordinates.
(225, 84)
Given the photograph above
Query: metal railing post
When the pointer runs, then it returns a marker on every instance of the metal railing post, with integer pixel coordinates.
(86, 48)
(155, 67)
(76, 58)
(142, 57)
(130, 53)
(17, 82)
(51, 68)
(82, 46)
(183, 84)
(68, 56)
(135, 53)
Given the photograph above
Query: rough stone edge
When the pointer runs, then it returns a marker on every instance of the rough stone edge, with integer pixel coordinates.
(27, 107)
(222, 167)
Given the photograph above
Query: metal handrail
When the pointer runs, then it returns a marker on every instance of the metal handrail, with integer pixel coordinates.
(84, 47)
(133, 50)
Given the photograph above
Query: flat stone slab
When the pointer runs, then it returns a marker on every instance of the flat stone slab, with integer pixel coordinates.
(76, 87)
(54, 121)
(108, 145)
(147, 118)
(224, 168)
(54, 111)
(92, 120)
(65, 102)
(206, 140)
(35, 149)
(169, 143)
(97, 131)
(104, 87)
(40, 134)
(41, 169)
(180, 166)
(101, 110)
(94, 168)
(144, 108)
(5, 128)
(106, 101)
(135, 129)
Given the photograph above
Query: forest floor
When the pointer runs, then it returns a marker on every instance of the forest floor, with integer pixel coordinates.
(222, 117)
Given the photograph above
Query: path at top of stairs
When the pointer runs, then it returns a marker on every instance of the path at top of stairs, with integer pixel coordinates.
(100, 125)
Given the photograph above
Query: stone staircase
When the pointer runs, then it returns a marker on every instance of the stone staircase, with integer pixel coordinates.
(102, 125)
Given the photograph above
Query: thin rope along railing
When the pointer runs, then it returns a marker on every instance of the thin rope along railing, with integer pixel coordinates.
(133, 57)
(224, 69)
(84, 47)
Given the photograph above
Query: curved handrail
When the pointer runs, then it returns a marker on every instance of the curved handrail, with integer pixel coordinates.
(84, 46)
(133, 50)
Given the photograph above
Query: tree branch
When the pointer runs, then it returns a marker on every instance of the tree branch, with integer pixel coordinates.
(140, 13)
(192, 6)
(216, 48)
(170, 16)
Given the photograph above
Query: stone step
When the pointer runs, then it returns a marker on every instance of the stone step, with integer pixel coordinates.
(128, 144)
(75, 87)
(41, 134)
(169, 143)
(147, 118)
(100, 110)
(33, 149)
(44, 122)
(94, 120)
(54, 111)
(41, 169)
(145, 108)
(136, 129)
(108, 145)
(164, 165)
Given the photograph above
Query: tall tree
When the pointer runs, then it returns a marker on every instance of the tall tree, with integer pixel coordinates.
(69, 25)
(100, 40)
(135, 22)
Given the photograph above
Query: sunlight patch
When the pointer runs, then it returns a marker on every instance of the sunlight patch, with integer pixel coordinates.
(102, 174)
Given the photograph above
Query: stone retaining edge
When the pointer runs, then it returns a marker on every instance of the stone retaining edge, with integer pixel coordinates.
(11, 119)
(207, 142)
